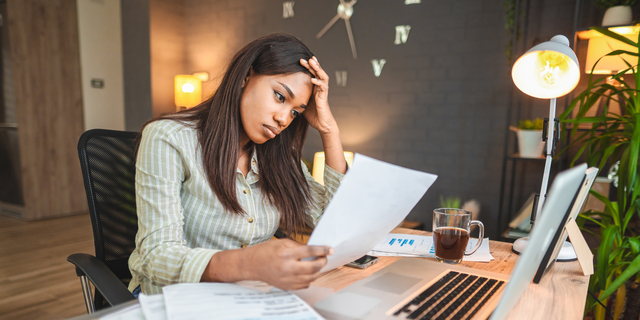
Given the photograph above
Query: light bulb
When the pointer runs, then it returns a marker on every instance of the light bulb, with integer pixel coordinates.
(188, 87)
(553, 69)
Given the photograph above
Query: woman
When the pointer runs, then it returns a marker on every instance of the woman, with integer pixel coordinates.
(213, 183)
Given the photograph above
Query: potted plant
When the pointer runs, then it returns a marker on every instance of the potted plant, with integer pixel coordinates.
(613, 137)
(618, 12)
(529, 133)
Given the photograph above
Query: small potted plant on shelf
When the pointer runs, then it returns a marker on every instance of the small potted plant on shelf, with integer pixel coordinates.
(611, 137)
(618, 12)
(529, 133)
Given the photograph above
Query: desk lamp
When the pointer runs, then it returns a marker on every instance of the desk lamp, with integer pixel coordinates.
(318, 165)
(547, 71)
(188, 91)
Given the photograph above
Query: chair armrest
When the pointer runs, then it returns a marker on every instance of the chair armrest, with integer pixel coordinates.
(111, 288)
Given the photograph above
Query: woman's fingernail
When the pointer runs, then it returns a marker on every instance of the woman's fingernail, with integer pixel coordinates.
(331, 251)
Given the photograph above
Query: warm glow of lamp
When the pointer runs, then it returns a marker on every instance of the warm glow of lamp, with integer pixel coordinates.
(188, 91)
(318, 165)
(548, 70)
(599, 47)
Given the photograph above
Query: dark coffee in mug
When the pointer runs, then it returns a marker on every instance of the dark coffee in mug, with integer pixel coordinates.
(450, 243)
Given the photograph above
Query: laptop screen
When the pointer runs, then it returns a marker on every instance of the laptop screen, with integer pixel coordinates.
(561, 234)
(563, 191)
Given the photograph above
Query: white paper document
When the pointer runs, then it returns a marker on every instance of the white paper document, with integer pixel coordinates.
(153, 306)
(409, 245)
(129, 313)
(373, 198)
(310, 295)
(195, 301)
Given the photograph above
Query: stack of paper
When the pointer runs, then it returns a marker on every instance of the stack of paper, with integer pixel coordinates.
(218, 301)
(409, 245)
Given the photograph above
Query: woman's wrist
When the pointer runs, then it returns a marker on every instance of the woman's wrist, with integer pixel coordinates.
(227, 266)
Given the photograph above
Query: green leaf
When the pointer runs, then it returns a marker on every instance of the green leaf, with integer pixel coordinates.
(615, 35)
(606, 243)
(628, 215)
(631, 270)
(634, 149)
(592, 220)
(634, 244)
(610, 207)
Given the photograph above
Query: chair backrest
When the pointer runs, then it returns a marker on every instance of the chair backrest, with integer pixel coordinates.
(107, 159)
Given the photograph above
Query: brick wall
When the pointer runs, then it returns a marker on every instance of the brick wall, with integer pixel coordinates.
(440, 104)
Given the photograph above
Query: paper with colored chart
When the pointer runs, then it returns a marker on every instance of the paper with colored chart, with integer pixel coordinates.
(373, 198)
(397, 244)
(409, 245)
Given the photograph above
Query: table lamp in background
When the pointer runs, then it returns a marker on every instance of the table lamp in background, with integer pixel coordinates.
(547, 71)
(318, 165)
(188, 91)
(598, 62)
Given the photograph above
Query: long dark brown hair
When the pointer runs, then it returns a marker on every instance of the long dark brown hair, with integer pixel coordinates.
(219, 128)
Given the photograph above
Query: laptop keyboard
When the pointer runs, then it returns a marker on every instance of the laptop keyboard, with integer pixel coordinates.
(455, 296)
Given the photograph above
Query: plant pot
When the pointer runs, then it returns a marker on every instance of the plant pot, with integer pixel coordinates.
(616, 16)
(530, 144)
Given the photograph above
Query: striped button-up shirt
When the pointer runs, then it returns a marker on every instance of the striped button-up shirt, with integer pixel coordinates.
(181, 222)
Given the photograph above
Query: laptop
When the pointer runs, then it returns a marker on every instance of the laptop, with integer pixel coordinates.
(553, 252)
(414, 288)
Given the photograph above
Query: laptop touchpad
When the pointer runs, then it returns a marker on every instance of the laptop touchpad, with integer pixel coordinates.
(349, 304)
(393, 283)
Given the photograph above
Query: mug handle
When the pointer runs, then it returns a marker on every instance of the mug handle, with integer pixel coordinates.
(481, 236)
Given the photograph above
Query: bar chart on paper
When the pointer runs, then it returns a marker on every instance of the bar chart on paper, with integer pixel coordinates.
(406, 244)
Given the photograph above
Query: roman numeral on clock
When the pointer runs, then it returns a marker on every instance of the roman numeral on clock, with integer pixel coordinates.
(287, 9)
(341, 78)
(377, 66)
(402, 34)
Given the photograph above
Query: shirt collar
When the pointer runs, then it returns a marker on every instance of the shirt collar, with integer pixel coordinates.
(254, 161)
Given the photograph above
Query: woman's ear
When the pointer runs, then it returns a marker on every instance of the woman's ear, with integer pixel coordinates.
(246, 79)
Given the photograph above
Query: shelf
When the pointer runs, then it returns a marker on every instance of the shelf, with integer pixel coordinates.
(516, 156)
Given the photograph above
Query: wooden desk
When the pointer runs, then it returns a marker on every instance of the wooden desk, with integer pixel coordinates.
(560, 295)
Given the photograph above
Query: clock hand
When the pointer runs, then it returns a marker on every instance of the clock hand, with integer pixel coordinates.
(351, 41)
(345, 10)
(328, 26)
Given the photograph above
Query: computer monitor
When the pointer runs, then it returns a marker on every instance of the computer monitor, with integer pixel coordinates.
(551, 255)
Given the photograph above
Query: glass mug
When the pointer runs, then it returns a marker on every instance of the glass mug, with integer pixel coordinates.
(451, 229)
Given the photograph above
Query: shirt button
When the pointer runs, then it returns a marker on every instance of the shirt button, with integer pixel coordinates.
(245, 191)
(250, 220)
(243, 246)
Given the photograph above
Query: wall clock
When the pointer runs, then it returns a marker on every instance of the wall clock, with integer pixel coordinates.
(345, 11)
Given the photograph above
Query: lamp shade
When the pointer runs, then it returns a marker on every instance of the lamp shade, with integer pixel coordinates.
(318, 165)
(599, 47)
(548, 70)
(188, 91)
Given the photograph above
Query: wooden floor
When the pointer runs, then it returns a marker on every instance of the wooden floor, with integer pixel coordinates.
(36, 281)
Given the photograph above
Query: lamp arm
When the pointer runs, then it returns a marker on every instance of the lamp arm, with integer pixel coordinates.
(549, 158)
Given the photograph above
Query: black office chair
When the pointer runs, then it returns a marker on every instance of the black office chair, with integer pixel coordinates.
(107, 159)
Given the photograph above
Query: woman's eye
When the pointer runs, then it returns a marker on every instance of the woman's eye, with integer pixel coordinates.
(279, 96)
(295, 113)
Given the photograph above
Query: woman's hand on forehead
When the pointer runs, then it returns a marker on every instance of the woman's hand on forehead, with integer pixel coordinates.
(318, 113)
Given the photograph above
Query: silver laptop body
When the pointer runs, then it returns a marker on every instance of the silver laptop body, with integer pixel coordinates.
(384, 294)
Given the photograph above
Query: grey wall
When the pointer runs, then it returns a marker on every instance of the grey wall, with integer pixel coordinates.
(441, 102)
(136, 63)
